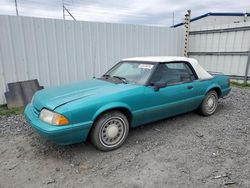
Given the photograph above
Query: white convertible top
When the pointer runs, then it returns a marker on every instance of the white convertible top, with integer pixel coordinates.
(200, 71)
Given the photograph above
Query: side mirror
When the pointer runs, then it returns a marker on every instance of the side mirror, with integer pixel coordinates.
(158, 85)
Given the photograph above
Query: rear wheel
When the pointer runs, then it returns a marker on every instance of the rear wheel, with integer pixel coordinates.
(110, 131)
(209, 104)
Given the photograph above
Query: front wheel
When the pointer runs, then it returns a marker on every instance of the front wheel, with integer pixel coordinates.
(110, 131)
(209, 104)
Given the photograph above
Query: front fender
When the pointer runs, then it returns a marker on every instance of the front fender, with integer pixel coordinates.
(109, 107)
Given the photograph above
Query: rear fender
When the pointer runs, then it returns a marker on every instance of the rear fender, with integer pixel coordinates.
(213, 87)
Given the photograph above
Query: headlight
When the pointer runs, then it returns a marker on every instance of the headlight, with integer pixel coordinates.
(53, 118)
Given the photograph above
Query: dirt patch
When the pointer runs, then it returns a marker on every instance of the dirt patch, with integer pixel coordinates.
(184, 151)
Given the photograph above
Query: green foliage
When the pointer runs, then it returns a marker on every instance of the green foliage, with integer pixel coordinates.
(5, 111)
(241, 85)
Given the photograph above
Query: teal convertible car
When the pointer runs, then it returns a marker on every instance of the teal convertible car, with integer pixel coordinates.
(135, 91)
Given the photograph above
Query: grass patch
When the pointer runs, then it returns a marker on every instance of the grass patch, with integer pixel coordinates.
(241, 85)
(4, 111)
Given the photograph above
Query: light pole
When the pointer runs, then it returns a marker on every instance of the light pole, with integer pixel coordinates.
(16, 8)
(63, 10)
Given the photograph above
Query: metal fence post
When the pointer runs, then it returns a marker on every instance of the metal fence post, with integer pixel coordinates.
(187, 26)
(247, 68)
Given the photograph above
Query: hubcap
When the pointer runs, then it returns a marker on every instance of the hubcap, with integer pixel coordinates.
(113, 132)
(211, 104)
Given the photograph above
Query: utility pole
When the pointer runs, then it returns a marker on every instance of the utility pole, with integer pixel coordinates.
(63, 10)
(69, 13)
(16, 8)
(173, 19)
(187, 27)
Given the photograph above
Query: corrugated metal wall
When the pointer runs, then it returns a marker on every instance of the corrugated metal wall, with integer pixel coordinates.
(57, 51)
(231, 41)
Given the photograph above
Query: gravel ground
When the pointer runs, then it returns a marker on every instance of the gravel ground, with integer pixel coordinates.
(184, 151)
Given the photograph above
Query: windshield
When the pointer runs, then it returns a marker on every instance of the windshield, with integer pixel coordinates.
(131, 72)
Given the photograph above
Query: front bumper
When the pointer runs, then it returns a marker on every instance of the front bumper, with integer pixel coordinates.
(63, 135)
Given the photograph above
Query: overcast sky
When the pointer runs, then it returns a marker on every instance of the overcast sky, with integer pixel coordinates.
(150, 12)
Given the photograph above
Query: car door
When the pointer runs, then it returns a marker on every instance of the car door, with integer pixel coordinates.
(179, 95)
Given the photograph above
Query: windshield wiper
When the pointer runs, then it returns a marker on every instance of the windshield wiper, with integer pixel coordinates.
(106, 76)
(124, 80)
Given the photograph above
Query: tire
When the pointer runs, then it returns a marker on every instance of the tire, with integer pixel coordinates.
(209, 104)
(110, 131)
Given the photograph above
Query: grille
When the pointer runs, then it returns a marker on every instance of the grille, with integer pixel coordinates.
(36, 112)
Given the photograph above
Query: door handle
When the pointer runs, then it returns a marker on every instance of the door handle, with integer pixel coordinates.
(190, 87)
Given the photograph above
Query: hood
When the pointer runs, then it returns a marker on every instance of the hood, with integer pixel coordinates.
(51, 98)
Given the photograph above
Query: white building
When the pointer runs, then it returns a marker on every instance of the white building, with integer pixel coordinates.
(212, 18)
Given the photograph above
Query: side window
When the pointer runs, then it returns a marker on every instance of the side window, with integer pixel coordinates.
(173, 73)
